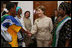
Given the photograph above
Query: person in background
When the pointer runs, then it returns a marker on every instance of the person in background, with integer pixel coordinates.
(27, 21)
(54, 17)
(28, 26)
(3, 10)
(62, 33)
(42, 28)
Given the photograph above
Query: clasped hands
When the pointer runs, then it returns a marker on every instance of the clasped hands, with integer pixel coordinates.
(29, 33)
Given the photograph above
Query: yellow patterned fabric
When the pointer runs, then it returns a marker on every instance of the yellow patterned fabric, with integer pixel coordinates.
(13, 29)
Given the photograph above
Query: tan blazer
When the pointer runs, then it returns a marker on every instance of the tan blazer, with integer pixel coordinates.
(27, 24)
(42, 27)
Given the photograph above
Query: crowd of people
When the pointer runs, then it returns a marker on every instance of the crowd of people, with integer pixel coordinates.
(45, 32)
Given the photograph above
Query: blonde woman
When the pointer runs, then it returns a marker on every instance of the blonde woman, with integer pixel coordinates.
(42, 28)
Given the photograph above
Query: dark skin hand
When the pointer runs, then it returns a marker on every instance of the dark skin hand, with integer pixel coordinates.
(67, 43)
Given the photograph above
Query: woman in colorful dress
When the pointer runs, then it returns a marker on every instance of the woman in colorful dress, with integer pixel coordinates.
(62, 32)
(12, 25)
(20, 35)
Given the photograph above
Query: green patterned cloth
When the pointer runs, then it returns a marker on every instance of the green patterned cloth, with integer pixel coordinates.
(2, 17)
(57, 25)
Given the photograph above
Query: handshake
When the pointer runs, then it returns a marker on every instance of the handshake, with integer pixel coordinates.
(29, 33)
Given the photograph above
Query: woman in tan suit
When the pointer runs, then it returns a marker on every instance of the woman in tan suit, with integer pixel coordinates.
(42, 28)
(28, 25)
(27, 21)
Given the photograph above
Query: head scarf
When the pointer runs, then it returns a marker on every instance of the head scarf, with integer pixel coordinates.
(17, 9)
(66, 7)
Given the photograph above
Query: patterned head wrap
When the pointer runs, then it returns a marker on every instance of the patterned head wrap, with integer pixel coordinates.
(66, 7)
(17, 9)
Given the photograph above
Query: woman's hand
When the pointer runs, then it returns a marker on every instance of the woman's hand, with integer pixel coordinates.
(29, 35)
(67, 43)
(50, 42)
(28, 32)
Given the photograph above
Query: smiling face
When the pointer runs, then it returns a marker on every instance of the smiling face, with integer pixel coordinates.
(27, 14)
(39, 12)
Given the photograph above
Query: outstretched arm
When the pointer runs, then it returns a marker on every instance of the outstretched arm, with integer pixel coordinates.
(25, 31)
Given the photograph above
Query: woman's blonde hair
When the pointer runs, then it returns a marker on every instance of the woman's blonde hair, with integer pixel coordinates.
(42, 8)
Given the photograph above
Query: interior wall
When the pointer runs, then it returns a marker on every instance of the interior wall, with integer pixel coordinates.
(50, 6)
